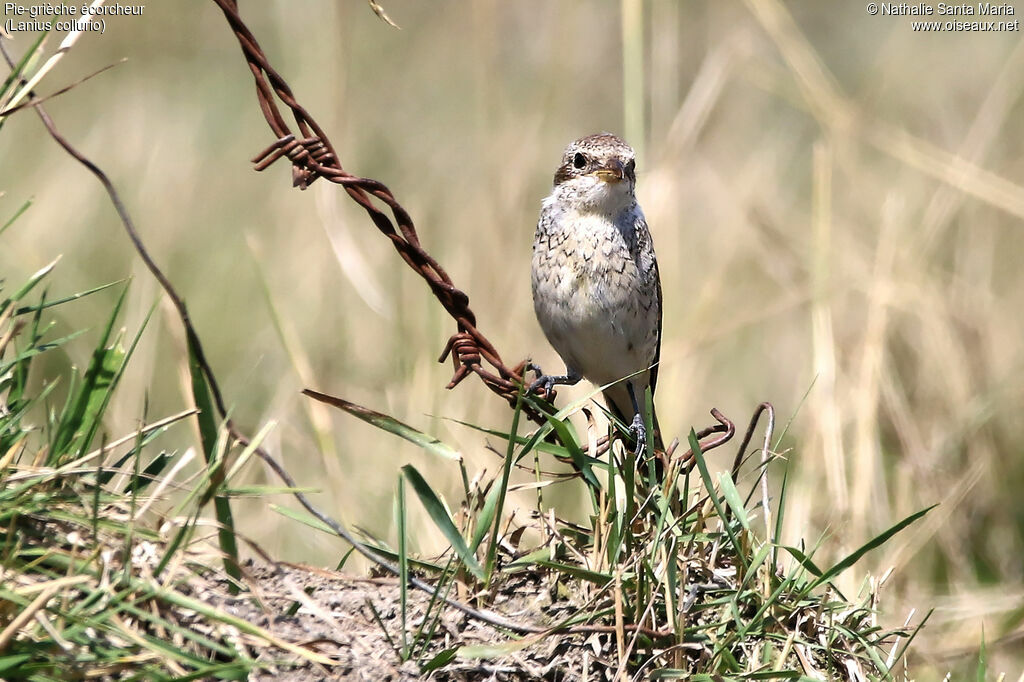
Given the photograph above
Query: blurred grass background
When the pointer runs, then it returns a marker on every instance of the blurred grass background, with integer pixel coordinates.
(835, 199)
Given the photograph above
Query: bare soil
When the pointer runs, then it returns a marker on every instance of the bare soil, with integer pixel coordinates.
(334, 617)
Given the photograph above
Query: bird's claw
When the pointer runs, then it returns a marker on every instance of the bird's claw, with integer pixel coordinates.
(639, 432)
(544, 382)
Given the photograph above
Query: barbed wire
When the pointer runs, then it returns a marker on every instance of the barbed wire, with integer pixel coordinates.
(313, 156)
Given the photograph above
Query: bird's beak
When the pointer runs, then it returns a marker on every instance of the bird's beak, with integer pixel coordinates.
(612, 171)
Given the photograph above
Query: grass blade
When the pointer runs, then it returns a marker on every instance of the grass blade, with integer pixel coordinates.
(432, 503)
(733, 499)
(854, 556)
(208, 429)
(492, 549)
(17, 214)
(80, 422)
(390, 424)
(403, 568)
(702, 466)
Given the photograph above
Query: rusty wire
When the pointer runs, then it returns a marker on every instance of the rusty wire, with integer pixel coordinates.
(312, 156)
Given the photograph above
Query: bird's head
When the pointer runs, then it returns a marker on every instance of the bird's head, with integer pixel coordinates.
(598, 172)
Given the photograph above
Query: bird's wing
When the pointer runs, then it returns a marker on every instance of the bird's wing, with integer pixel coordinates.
(646, 247)
(661, 317)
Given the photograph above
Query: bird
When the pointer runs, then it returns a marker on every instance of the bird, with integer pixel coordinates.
(595, 280)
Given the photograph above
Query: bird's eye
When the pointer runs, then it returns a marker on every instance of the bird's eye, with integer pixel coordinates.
(579, 161)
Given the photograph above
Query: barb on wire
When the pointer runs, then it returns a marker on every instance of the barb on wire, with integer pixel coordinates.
(724, 427)
(761, 409)
(769, 430)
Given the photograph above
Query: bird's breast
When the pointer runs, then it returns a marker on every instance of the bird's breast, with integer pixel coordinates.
(590, 297)
(584, 263)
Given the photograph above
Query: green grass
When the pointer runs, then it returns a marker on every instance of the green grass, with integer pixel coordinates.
(89, 582)
(668, 567)
(677, 571)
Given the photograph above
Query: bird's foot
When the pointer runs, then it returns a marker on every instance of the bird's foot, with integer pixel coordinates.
(639, 432)
(545, 383)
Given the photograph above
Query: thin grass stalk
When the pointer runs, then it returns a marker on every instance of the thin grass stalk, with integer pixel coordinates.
(403, 567)
(492, 548)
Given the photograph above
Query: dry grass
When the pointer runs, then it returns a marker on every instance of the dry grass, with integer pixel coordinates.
(836, 200)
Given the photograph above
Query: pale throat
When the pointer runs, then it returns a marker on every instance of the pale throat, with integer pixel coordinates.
(587, 195)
